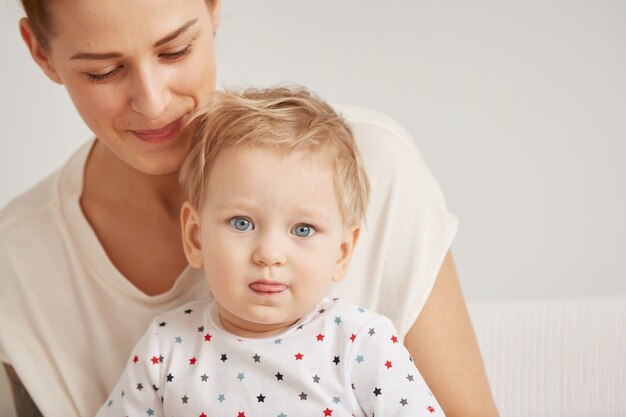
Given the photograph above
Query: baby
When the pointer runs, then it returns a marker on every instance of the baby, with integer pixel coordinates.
(276, 196)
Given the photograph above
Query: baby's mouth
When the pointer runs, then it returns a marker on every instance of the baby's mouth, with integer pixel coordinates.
(267, 287)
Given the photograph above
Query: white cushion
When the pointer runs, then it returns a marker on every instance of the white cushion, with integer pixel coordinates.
(563, 357)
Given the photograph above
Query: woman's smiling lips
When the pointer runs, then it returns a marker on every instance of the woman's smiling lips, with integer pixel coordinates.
(267, 287)
(162, 135)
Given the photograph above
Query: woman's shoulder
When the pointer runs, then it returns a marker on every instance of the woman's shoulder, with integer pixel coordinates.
(41, 198)
(373, 130)
(29, 206)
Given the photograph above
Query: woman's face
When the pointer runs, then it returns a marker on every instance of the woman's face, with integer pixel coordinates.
(135, 70)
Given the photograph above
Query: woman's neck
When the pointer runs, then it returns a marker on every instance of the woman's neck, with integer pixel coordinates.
(109, 179)
(136, 219)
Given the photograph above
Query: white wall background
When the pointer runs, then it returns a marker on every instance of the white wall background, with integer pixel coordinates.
(518, 107)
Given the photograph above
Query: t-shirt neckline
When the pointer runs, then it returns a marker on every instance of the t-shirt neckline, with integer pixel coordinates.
(70, 187)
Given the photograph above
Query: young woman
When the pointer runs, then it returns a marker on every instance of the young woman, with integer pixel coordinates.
(93, 252)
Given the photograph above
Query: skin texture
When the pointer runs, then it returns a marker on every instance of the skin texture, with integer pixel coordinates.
(131, 196)
(267, 194)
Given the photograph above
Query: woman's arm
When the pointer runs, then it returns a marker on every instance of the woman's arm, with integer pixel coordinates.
(444, 347)
(24, 405)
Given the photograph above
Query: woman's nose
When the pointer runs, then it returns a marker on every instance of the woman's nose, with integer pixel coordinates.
(269, 251)
(150, 95)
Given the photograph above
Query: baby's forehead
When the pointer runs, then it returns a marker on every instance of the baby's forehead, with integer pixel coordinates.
(318, 154)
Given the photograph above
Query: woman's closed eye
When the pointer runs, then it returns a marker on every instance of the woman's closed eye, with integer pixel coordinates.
(241, 224)
(177, 55)
(101, 78)
(167, 56)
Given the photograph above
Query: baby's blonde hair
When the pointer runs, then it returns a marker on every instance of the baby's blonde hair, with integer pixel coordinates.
(282, 119)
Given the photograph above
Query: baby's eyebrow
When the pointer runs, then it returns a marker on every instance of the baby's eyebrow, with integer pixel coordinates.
(108, 55)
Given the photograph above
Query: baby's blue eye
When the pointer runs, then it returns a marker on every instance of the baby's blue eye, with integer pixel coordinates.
(243, 224)
(303, 230)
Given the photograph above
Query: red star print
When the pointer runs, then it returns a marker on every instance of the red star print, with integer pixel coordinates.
(135, 358)
(241, 414)
(154, 360)
(388, 364)
(432, 410)
(207, 337)
(192, 361)
(202, 415)
(328, 412)
(299, 356)
(353, 337)
(394, 339)
(320, 337)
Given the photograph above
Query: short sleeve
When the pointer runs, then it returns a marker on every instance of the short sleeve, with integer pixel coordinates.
(408, 228)
(137, 392)
(385, 381)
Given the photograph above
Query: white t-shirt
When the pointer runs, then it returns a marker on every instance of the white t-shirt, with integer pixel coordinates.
(68, 318)
(339, 360)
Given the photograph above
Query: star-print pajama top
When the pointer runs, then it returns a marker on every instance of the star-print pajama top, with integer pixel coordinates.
(338, 360)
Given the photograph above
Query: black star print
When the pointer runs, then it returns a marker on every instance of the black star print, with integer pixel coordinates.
(371, 332)
(188, 311)
(201, 329)
(321, 311)
(303, 397)
(403, 401)
(204, 377)
(316, 379)
(260, 398)
(256, 358)
(299, 327)
(140, 386)
(161, 358)
(123, 393)
(224, 358)
(336, 360)
(170, 377)
(279, 376)
(154, 387)
(378, 392)
(185, 399)
(410, 378)
(353, 387)
(162, 324)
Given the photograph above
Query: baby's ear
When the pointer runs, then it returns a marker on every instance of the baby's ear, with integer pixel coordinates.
(350, 237)
(190, 227)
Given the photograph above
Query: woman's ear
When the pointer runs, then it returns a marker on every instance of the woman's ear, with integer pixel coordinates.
(36, 50)
(190, 227)
(216, 8)
(350, 237)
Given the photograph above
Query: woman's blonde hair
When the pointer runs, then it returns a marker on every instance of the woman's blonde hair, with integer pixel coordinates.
(283, 119)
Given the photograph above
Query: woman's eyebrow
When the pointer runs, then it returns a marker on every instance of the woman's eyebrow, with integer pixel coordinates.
(108, 55)
(91, 55)
(176, 33)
